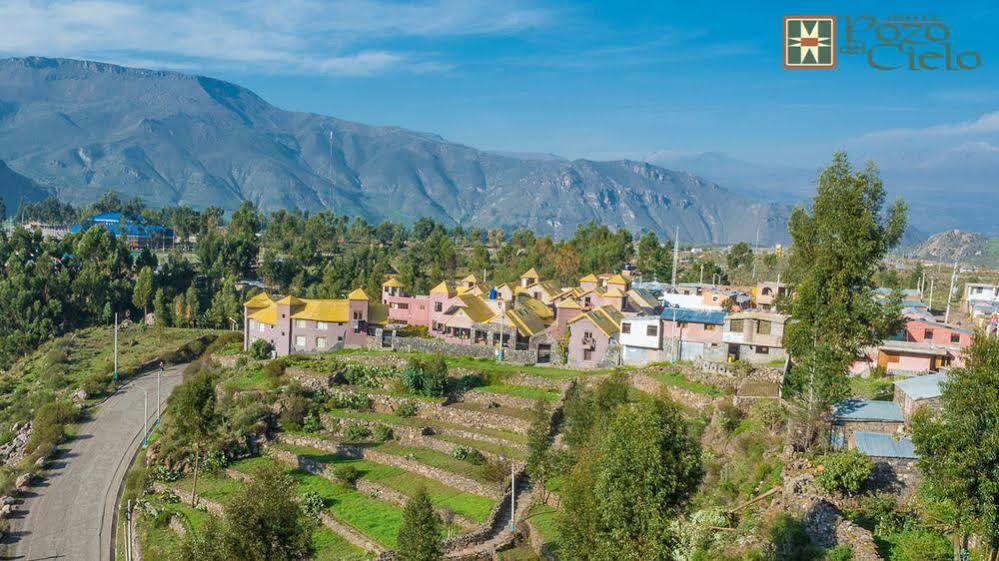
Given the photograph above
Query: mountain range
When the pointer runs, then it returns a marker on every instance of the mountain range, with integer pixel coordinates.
(77, 129)
(964, 247)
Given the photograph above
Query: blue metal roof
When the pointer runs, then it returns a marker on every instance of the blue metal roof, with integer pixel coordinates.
(922, 387)
(881, 445)
(113, 222)
(693, 316)
(866, 410)
(913, 304)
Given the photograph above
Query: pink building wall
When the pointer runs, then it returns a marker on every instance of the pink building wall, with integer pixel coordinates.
(576, 354)
(411, 310)
(694, 332)
(940, 335)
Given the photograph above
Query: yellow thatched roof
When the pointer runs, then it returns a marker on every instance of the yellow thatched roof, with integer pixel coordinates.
(290, 301)
(442, 288)
(393, 282)
(531, 273)
(614, 292)
(569, 303)
(617, 279)
(537, 307)
(606, 318)
(266, 315)
(471, 279)
(528, 324)
(334, 311)
(589, 278)
(261, 300)
(358, 294)
(476, 308)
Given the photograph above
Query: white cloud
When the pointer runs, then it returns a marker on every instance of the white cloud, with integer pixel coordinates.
(986, 124)
(345, 37)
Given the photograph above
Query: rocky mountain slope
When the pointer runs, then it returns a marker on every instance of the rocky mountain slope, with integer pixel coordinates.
(14, 187)
(966, 247)
(81, 128)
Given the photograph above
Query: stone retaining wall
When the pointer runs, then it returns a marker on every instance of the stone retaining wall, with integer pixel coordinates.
(652, 386)
(447, 478)
(407, 432)
(485, 397)
(349, 533)
(185, 497)
(537, 382)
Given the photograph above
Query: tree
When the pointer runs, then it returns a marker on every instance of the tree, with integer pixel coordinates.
(161, 310)
(739, 255)
(420, 535)
(192, 307)
(194, 414)
(654, 259)
(837, 248)
(539, 444)
(264, 520)
(957, 446)
(621, 498)
(143, 291)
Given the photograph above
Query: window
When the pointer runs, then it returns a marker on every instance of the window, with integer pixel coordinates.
(300, 324)
(927, 334)
(709, 326)
(625, 327)
(763, 327)
(762, 350)
(587, 335)
(261, 326)
(320, 342)
(358, 315)
(322, 326)
(586, 302)
(537, 294)
(587, 355)
(735, 325)
(438, 306)
(652, 330)
(955, 337)
(893, 359)
(401, 306)
(339, 338)
(299, 342)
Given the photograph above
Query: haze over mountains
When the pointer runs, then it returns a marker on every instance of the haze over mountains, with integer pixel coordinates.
(78, 129)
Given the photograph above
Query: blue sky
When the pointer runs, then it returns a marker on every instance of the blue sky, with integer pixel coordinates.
(601, 80)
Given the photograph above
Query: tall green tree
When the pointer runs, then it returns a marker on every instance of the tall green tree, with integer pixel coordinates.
(265, 522)
(142, 294)
(837, 248)
(622, 497)
(194, 414)
(539, 445)
(739, 255)
(655, 260)
(420, 534)
(957, 446)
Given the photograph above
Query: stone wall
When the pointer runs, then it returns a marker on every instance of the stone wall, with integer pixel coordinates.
(185, 497)
(489, 398)
(652, 386)
(428, 345)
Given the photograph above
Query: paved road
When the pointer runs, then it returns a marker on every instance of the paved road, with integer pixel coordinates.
(68, 516)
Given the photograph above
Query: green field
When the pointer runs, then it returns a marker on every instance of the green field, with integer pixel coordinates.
(677, 380)
(519, 391)
(389, 419)
(435, 459)
(470, 506)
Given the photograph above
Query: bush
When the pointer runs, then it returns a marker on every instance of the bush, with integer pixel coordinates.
(56, 356)
(382, 433)
(296, 407)
(164, 474)
(729, 416)
(919, 545)
(495, 470)
(428, 378)
(341, 399)
(260, 349)
(789, 540)
(844, 472)
(770, 413)
(406, 409)
(348, 475)
(49, 425)
(274, 370)
(312, 424)
(840, 553)
(355, 431)
(468, 454)
(313, 504)
(96, 384)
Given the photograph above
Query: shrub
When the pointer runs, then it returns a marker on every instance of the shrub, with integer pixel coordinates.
(275, 369)
(770, 413)
(844, 472)
(355, 431)
(406, 409)
(213, 461)
(312, 423)
(364, 375)
(96, 383)
(164, 474)
(382, 433)
(919, 545)
(468, 454)
(49, 425)
(840, 553)
(341, 399)
(427, 377)
(55, 356)
(348, 475)
(260, 349)
(296, 407)
(313, 504)
(495, 470)
(729, 416)
(789, 540)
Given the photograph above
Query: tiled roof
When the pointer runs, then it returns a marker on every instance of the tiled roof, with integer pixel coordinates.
(527, 322)
(537, 307)
(336, 311)
(442, 288)
(881, 445)
(290, 301)
(606, 318)
(867, 410)
(643, 297)
(922, 387)
(687, 315)
(261, 300)
(330, 310)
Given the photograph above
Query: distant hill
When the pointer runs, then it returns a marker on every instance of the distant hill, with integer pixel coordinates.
(14, 188)
(82, 128)
(966, 247)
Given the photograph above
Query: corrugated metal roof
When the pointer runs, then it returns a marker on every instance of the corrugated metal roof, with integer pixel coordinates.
(867, 410)
(694, 316)
(881, 445)
(922, 387)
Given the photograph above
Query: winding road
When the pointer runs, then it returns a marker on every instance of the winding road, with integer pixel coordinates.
(68, 515)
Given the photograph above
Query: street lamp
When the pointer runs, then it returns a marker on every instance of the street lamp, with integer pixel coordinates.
(145, 416)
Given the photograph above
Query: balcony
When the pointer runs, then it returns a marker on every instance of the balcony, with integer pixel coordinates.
(734, 337)
(589, 343)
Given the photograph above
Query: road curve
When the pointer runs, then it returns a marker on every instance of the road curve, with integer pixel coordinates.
(68, 516)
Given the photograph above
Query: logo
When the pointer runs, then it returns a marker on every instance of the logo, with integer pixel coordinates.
(809, 41)
(907, 42)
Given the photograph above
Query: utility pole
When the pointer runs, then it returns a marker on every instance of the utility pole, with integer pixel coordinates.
(116, 346)
(932, 279)
(950, 293)
(700, 279)
(676, 253)
(757, 244)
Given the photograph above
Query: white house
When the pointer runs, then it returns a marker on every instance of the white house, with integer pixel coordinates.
(641, 340)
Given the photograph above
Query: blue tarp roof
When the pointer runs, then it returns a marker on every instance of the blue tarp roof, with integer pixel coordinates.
(113, 222)
(693, 316)
(866, 410)
(881, 445)
(922, 387)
